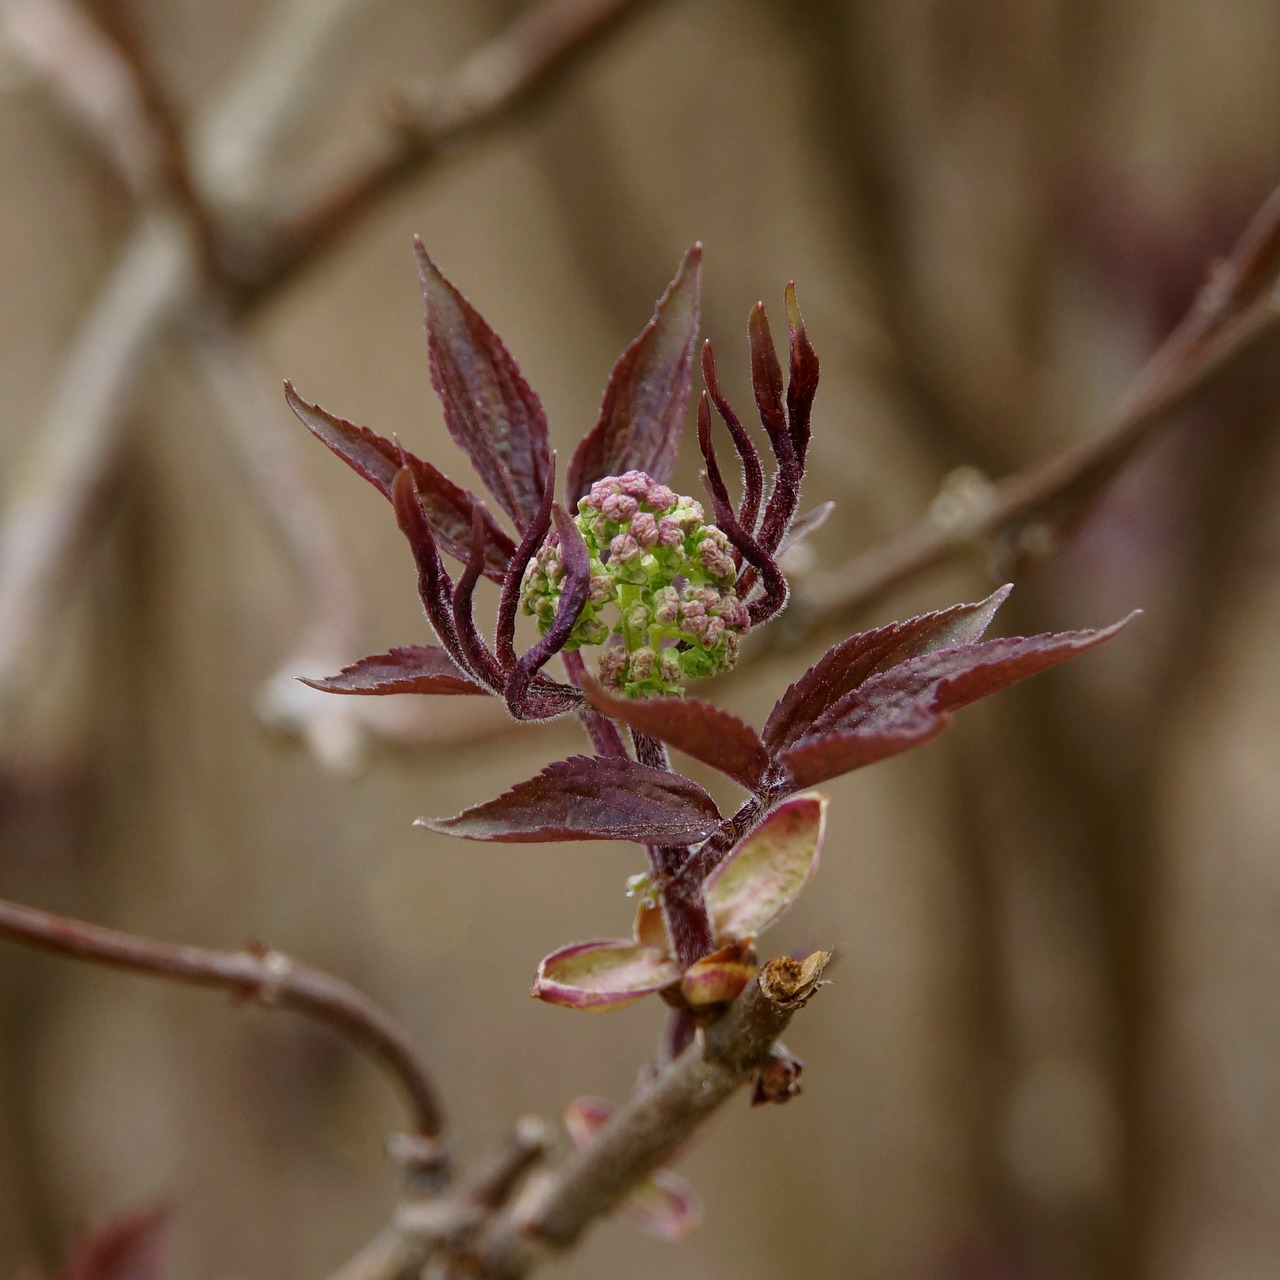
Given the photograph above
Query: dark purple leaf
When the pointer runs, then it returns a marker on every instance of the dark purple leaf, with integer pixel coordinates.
(766, 375)
(509, 603)
(489, 408)
(947, 679)
(447, 505)
(589, 798)
(699, 729)
(752, 471)
(646, 397)
(471, 644)
(415, 668)
(802, 383)
(816, 759)
(130, 1247)
(849, 663)
(573, 596)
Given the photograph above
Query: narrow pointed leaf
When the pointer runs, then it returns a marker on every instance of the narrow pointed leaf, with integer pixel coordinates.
(830, 755)
(765, 873)
(588, 798)
(849, 663)
(448, 506)
(601, 976)
(699, 729)
(802, 382)
(646, 397)
(415, 668)
(945, 680)
(490, 410)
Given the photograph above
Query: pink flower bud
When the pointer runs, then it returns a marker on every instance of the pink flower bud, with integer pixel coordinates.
(613, 662)
(660, 498)
(644, 529)
(619, 507)
(624, 549)
(669, 533)
(635, 484)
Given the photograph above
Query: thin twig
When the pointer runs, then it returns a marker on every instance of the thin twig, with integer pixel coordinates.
(63, 480)
(528, 58)
(94, 83)
(650, 1128)
(271, 979)
(248, 405)
(157, 277)
(1236, 312)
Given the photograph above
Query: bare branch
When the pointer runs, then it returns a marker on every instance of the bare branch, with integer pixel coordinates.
(525, 60)
(1236, 312)
(650, 1128)
(158, 275)
(66, 472)
(273, 90)
(267, 977)
(248, 403)
(93, 82)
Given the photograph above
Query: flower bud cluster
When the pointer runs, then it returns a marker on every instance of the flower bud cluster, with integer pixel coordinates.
(669, 574)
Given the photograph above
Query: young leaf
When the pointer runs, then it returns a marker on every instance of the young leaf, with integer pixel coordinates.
(719, 977)
(647, 395)
(829, 755)
(589, 798)
(448, 506)
(766, 872)
(601, 976)
(948, 679)
(414, 668)
(490, 410)
(854, 660)
(699, 729)
(802, 383)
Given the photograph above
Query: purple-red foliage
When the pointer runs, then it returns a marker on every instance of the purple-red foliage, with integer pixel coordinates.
(870, 697)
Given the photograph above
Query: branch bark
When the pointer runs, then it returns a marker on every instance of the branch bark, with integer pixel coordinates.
(271, 979)
(159, 276)
(1235, 314)
(525, 60)
(651, 1128)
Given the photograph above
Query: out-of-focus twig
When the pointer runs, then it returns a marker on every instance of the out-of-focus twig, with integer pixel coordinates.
(62, 482)
(274, 89)
(267, 977)
(248, 404)
(160, 274)
(526, 59)
(1236, 311)
(59, 42)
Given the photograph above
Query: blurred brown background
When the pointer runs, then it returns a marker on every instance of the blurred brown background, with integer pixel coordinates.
(1052, 1046)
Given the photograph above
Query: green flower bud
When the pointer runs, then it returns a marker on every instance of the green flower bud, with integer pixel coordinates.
(644, 538)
